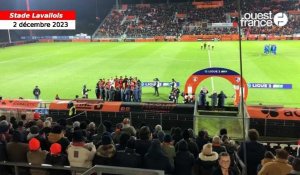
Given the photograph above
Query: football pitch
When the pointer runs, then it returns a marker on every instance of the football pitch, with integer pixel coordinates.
(63, 68)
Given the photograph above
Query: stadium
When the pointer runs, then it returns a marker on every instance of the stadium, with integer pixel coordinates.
(149, 87)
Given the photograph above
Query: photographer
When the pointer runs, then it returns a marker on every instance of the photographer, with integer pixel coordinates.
(85, 92)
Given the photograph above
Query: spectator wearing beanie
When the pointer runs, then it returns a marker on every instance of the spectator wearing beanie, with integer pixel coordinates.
(206, 161)
(128, 157)
(36, 116)
(184, 159)
(35, 133)
(193, 148)
(279, 166)
(156, 159)
(168, 148)
(57, 136)
(56, 158)
(106, 152)
(80, 154)
(36, 156)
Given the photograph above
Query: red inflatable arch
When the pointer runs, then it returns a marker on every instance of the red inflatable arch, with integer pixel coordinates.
(235, 78)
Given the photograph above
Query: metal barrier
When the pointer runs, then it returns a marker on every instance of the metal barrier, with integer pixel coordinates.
(17, 165)
(99, 169)
(240, 164)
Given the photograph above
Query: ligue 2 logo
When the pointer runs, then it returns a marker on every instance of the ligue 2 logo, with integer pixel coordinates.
(280, 19)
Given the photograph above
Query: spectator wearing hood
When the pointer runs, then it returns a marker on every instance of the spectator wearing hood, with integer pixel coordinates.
(193, 148)
(155, 158)
(184, 159)
(106, 152)
(168, 148)
(128, 157)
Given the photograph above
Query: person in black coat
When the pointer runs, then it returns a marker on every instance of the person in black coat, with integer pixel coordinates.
(55, 158)
(214, 99)
(254, 152)
(155, 158)
(202, 97)
(221, 99)
(184, 159)
(128, 157)
(142, 145)
(192, 146)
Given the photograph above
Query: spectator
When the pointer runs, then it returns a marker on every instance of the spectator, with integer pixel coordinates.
(217, 147)
(269, 157)
(128, 157)
(156, 159)
(168, 148)
(128, 128)
(123, 141)
(56, 158)
(296, 167)
(36, 156)
(57, 136)
(184, 159)
(254, 152)
(35, 133)
(224, 165)
(142, 145)
(117, 134)
(105, 153)
(192, 146)
(206, 161)
(279, 166)
(98, 137)
(202, 139)
(80, 154)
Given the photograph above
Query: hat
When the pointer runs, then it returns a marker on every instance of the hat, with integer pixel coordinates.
(55, 148)
(34, 144)
(34, 129)
(4, 126)
(207, 149)
(56, 129)
(106, 140)
(168, 138)
(78, 136)
(36, 116)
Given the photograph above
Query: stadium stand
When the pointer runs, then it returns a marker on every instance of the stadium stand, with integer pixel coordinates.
(177, 19)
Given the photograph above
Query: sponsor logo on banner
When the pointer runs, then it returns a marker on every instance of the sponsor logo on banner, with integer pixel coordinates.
(161, 84)
(270, 86)
(274, 113)
(267, 19)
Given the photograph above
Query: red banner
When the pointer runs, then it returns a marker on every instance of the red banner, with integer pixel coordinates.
(274, 113)
(38, 15)
(19, 104)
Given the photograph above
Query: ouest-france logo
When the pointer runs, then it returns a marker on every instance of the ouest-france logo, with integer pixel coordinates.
(264, 19)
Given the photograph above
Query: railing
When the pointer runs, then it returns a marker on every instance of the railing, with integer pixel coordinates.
(99, 169)
(17, 165)
(240, 164)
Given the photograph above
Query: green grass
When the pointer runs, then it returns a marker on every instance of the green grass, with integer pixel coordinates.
(62, 68)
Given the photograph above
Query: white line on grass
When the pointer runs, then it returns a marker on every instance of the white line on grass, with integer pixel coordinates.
(211, 78)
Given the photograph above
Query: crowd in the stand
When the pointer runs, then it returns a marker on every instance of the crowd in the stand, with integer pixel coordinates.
(83, 144)
(119, 89)
(175, 19)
